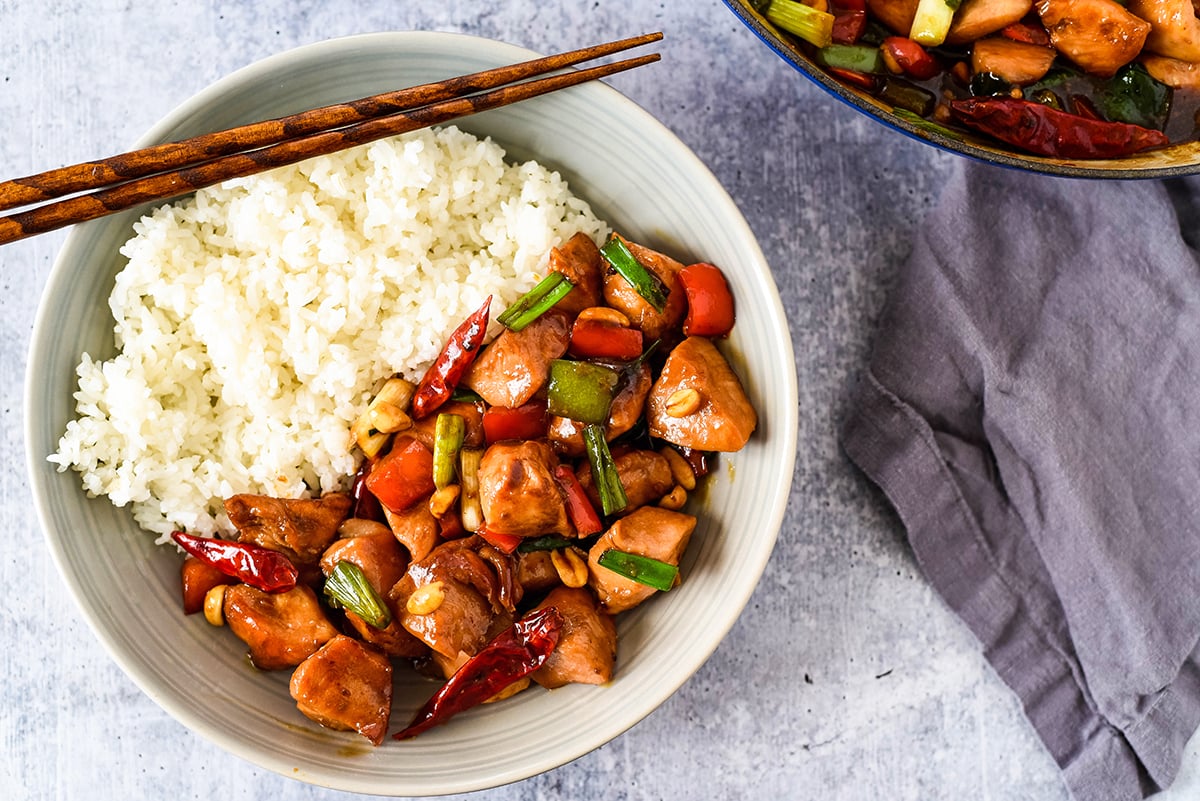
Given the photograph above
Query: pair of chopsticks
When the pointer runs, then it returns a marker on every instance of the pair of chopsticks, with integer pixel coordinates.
(165, 171)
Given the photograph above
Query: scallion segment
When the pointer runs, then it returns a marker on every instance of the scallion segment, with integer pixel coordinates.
(932, 21)
(536, 302)
(350, 589)
(448, 435)
(549, 542)
(856, 58)
(581, 391)
(642, 569)
(811, 25)
(604, 470)
(644, 282)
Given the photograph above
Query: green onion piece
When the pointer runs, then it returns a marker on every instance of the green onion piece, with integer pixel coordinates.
(536, 302)
(581, 391)
(811, 25)
(902, 94)
(604, 470)
(464, 395)
(550, 542)
(642, 569)
(448, 435)
(856, 58)
(468, 499)
(348, 587)
(644, 282)
(932, 22)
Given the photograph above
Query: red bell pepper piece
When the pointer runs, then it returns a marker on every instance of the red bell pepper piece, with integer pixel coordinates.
(261, 568)
(579, 506)
(863, 80)
(403, 476)
(505, 542)
(593, 339)
(849, 26)
(527, 421)
(439, 381)
(710, 303)
(914, 59)
(196, 578)
(512, 655)
(1049, 132)
(1029, 34)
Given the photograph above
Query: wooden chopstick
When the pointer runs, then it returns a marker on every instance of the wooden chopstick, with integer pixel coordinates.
(162, 172)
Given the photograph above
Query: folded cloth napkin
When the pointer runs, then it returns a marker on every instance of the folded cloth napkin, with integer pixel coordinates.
(1032, 411)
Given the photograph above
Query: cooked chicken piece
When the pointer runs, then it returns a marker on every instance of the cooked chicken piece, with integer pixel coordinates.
(580, 261)
(460, 589)
(299, 528)
(415, 528)
(1172, 71)
(281, 628)
(650, 531)
(567, 434)
(447, 666)
(518, 492)
(895, 14)
(1174, 29)
(587, 646)
(516, 364)
(621, 295)
(383, 563)
(698, 402)
(978, 18)
(536, 572)
(1018, 63)
(645, 476)
(425, 429)
(1100, 36)
(346, 686)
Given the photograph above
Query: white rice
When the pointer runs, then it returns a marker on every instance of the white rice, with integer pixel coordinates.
(254, 320)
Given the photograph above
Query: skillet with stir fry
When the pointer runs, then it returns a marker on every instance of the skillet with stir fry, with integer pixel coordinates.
(510, 504)
(1075, 79)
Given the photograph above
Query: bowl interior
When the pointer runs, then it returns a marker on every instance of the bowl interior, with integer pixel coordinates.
(636, 175)
(1180, 159)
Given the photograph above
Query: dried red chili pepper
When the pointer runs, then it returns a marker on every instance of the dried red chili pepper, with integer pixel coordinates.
(261, 568)
(443, 376)
(1049, 132)
(511, 656)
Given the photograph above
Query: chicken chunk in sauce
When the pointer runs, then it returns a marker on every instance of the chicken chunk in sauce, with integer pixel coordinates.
(518, 492)
(282, 629)
(346, 685)
(660, 534)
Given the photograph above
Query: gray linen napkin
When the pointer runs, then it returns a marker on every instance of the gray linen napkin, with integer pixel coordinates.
(1032, 411)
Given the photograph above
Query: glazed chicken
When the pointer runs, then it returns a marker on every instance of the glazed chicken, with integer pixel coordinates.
(346, 685)
(478, 539)
(518, 492)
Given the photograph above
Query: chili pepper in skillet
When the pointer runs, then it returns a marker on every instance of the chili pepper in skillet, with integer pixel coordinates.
(511, 656)
(443, 376)
(261, 568)
(1049, 132)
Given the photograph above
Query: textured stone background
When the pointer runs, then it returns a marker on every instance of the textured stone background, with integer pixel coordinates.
(844, 679)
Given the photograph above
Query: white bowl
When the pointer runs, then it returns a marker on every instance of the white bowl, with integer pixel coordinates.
(641, 179)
